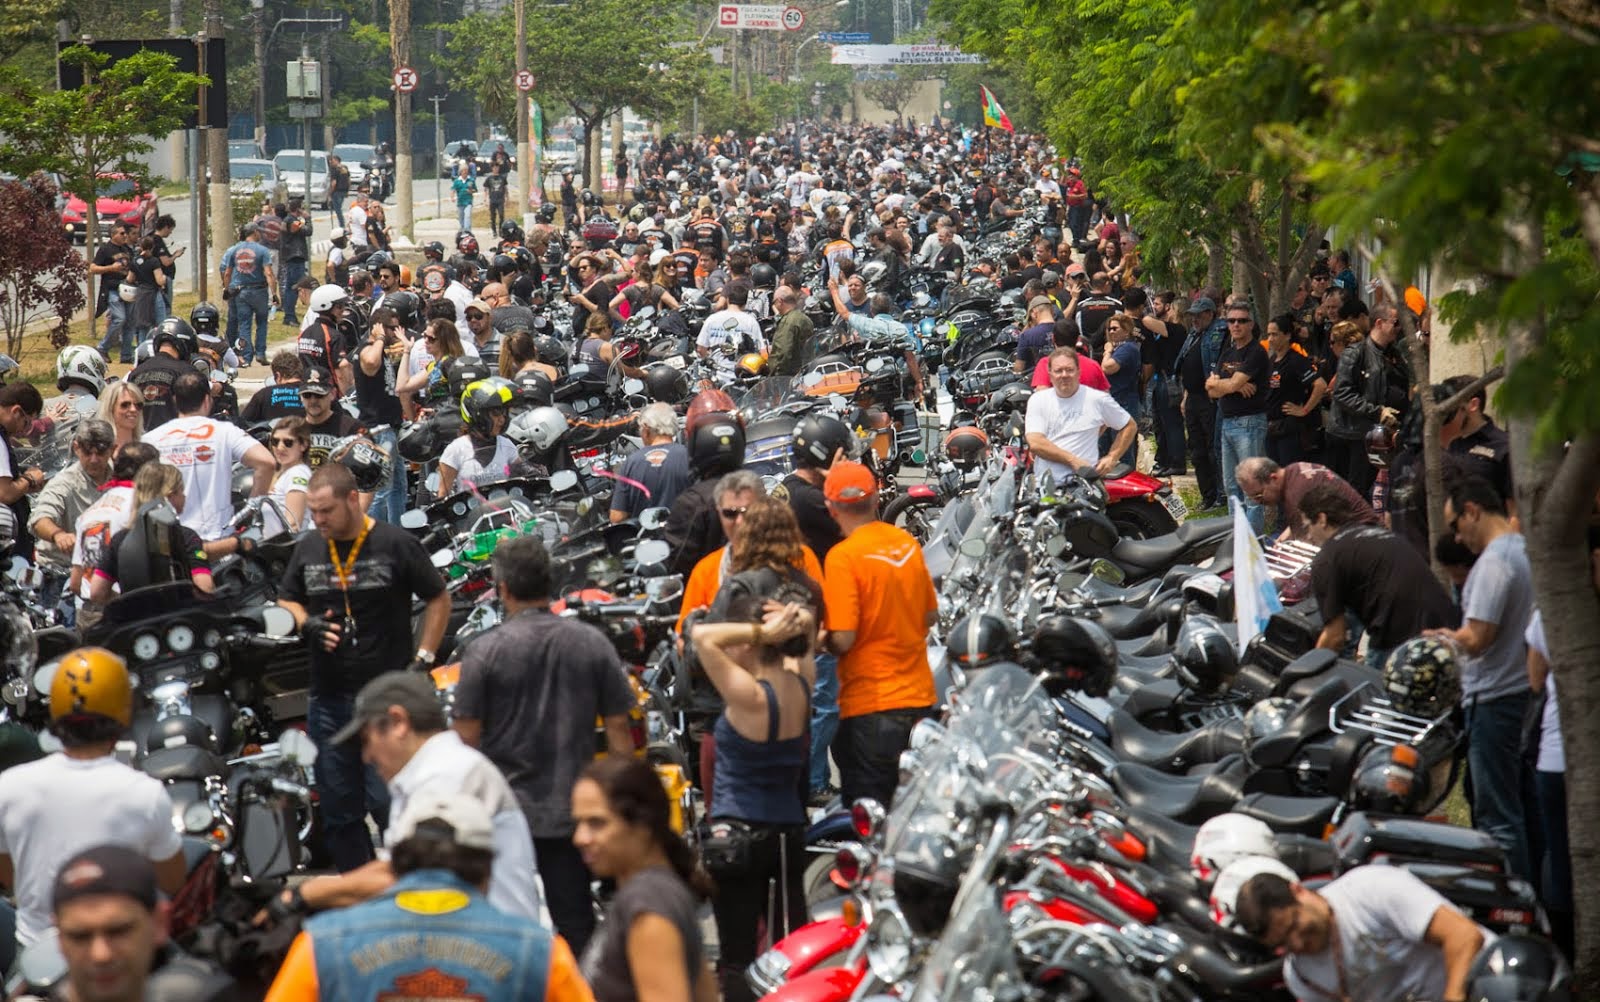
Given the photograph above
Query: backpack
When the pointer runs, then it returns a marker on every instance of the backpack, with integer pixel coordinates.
(764, 582)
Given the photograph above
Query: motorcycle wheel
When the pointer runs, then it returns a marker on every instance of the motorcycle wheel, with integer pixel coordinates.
(1138, 519)
(819, 884)
(915, 515)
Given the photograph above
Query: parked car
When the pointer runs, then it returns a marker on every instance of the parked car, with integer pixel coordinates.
(558, 155)
(455, 153)
(291, 167)
(121, 198)
(247, 176)
(245, 149)
(356, 156)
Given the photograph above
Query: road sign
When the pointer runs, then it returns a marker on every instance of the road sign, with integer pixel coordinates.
(760, 16)
(524, 80)
(844, 37)
(405, 79)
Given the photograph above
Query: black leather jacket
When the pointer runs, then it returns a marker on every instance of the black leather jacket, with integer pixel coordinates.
(1362, 386)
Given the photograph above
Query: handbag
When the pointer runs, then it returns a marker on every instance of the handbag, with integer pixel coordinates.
(727, 844)
(127, 292)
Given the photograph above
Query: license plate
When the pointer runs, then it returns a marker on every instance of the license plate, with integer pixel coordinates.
(677, 361)
(1175, 507)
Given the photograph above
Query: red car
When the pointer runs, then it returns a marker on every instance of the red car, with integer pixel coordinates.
(121, 199)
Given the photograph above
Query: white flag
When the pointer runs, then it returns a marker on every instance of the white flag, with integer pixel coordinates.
(1255, 596)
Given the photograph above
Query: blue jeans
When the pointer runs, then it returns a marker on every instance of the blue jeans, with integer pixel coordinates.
(335, 202)
(1164, 396)
(347, 789)
(1499, 776)
(1242, 437)
(464, 214)
(117, 330)
(248, 304)
(824, 717)
(163, 304)
(293, 271)
(389, 503)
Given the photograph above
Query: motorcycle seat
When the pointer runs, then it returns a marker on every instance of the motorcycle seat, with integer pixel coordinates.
(183, 762)
(1128, 622)
(1132, 678)
(1190, 799)
(1133, 595)
(1305, 815)
(1306, 855)
(1155, 696)
(1168, 843)
(1134, 742)
(1153, 554)
(1313, 662)
(1155, 645)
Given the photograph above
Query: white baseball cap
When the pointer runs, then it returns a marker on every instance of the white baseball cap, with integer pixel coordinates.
(473, 827)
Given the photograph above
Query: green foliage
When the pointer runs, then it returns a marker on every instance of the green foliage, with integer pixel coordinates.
(480, 59)
(720, 108)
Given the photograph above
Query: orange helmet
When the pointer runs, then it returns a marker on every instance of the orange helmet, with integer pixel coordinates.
(92, 680)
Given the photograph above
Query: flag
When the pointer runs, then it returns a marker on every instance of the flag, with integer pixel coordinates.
(993, 114)
(1255, 596)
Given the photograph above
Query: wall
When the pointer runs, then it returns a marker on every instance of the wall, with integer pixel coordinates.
(923, 107)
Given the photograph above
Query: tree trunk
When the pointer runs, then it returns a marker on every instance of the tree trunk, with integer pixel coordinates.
(400, 55)
(1216, 259)
(1241, 271)
(218, 196)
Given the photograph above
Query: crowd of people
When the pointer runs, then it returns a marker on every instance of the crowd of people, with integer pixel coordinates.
(808, 615)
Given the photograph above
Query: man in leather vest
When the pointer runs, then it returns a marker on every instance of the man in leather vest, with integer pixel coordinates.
(433, 934)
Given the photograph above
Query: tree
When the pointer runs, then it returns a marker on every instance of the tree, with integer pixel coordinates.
(898, 91)
(480, 49)
(40, 273)
(100, 128)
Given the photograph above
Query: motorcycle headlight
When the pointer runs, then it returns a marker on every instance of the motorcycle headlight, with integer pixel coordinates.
(197, 818)
(889, 945)
(771, 969)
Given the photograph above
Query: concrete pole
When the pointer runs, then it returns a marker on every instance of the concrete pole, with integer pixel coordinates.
(220, 205)
(400, 55)
(526, 174)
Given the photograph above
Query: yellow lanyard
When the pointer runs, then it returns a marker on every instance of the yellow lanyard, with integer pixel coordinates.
(343, 570)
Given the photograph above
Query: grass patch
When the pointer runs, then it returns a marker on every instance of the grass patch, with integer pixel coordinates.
(38, 358)
(1191, 497)
(174, 190)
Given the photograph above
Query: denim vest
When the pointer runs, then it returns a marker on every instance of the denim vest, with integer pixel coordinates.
(1209, 341)
(430, 935)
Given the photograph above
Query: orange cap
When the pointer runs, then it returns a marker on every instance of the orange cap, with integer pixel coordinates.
(849, 481)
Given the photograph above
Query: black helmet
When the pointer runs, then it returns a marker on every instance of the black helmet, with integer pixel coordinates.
(500, 266)
(419, 442)
(549, 350)
(464, 372)
(666, 383)
(588, 197)
(180, 730)
(1422, 677)
(368, 461)
(1265, 719)
(1380, 445)
(405, 305)
(176, 332)
(205, 318)
(1387, 780)
(377, 259)
(485, 398)
(979, 640)
(1203, 657)
(1518, 967)
(966, 445)
(522, 257)
(817, 437)
(547, 213)
(717, 447)
(511, 231)
(433, 250)
(1074, 654)
(534, 389)
(764, 276)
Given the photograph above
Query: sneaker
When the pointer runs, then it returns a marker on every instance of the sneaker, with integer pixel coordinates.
(289, 321)
(823, 796)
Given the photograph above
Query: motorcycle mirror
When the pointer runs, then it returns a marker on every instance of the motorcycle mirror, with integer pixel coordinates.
(276, 621)
(874, 364)
(1107, 571)
(1056, 545)
(42, 964)
(918, 457)
(442, 558)
(973, 547)
(297, 747)
(633, 387)
(652, 553)
(413, 519)
(563, 480)
(585, 506)
(653, 518)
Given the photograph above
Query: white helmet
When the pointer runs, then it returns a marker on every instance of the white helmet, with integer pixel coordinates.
(326, 297)
(337, 233)
(538, 429)
(1225, 892)
(79, 363)
(1226, 838)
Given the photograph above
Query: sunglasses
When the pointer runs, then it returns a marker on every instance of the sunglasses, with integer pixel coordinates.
(130, 404)
(1238, 320)
(429, 338)
(287, 443)
(474, 315)
(733, 514)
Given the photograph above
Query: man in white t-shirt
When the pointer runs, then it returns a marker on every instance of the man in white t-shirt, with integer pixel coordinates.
(1064, 422)
(401, 727)
(204, 451)
(731, 326)
(356, 224)
(82, 796)
(1377, 934)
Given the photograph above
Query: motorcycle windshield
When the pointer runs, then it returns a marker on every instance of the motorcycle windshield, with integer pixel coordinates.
(975, 958)
(994, 502)
(51, 451)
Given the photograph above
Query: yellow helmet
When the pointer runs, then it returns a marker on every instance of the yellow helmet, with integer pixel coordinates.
(753, 364)
(92, 680)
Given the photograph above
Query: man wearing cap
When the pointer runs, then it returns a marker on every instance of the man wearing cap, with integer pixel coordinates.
(248, 282)
(1037, 338)
(433, 934)
(69, 494)
(1196, 359)
(325, 423)
(1064, 422)
(112, 927)
(480, 322)
(880, 604)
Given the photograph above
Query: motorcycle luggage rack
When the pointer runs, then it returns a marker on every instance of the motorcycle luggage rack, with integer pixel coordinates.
(1359, 710)
(1290, 557)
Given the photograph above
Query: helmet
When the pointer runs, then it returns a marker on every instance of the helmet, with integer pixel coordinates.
(511, 231)
(547, 213)
(325, 297)
(337, 234)
(548, 349)
(205, 317)
(709, 405)
(874, 272)
(752, 364)
(466, 243)
(1226, 839)
(419, 441)
(1388, 780)
(405, 306)
(979, 640)
(1421, 677)
(1203, 656)
(1520, 967)
(464, 372)
(666, 383)
(1265, 719)
(500, 266)
(176, 332)
(539, 429)
(482, 399)
(1380, 445)
(81, 364)
(1074, 654)
(1225, 892)
(377, 259)
(369, 462)
(716, 446)
(181, 730)
(817, 438)
(534, 388)
(966, 446)
(521, 257)
(588, 197)
(764, 276)
(91, 680)
(433, 250)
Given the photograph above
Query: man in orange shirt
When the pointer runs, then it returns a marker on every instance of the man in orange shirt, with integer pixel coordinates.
(880, 604)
